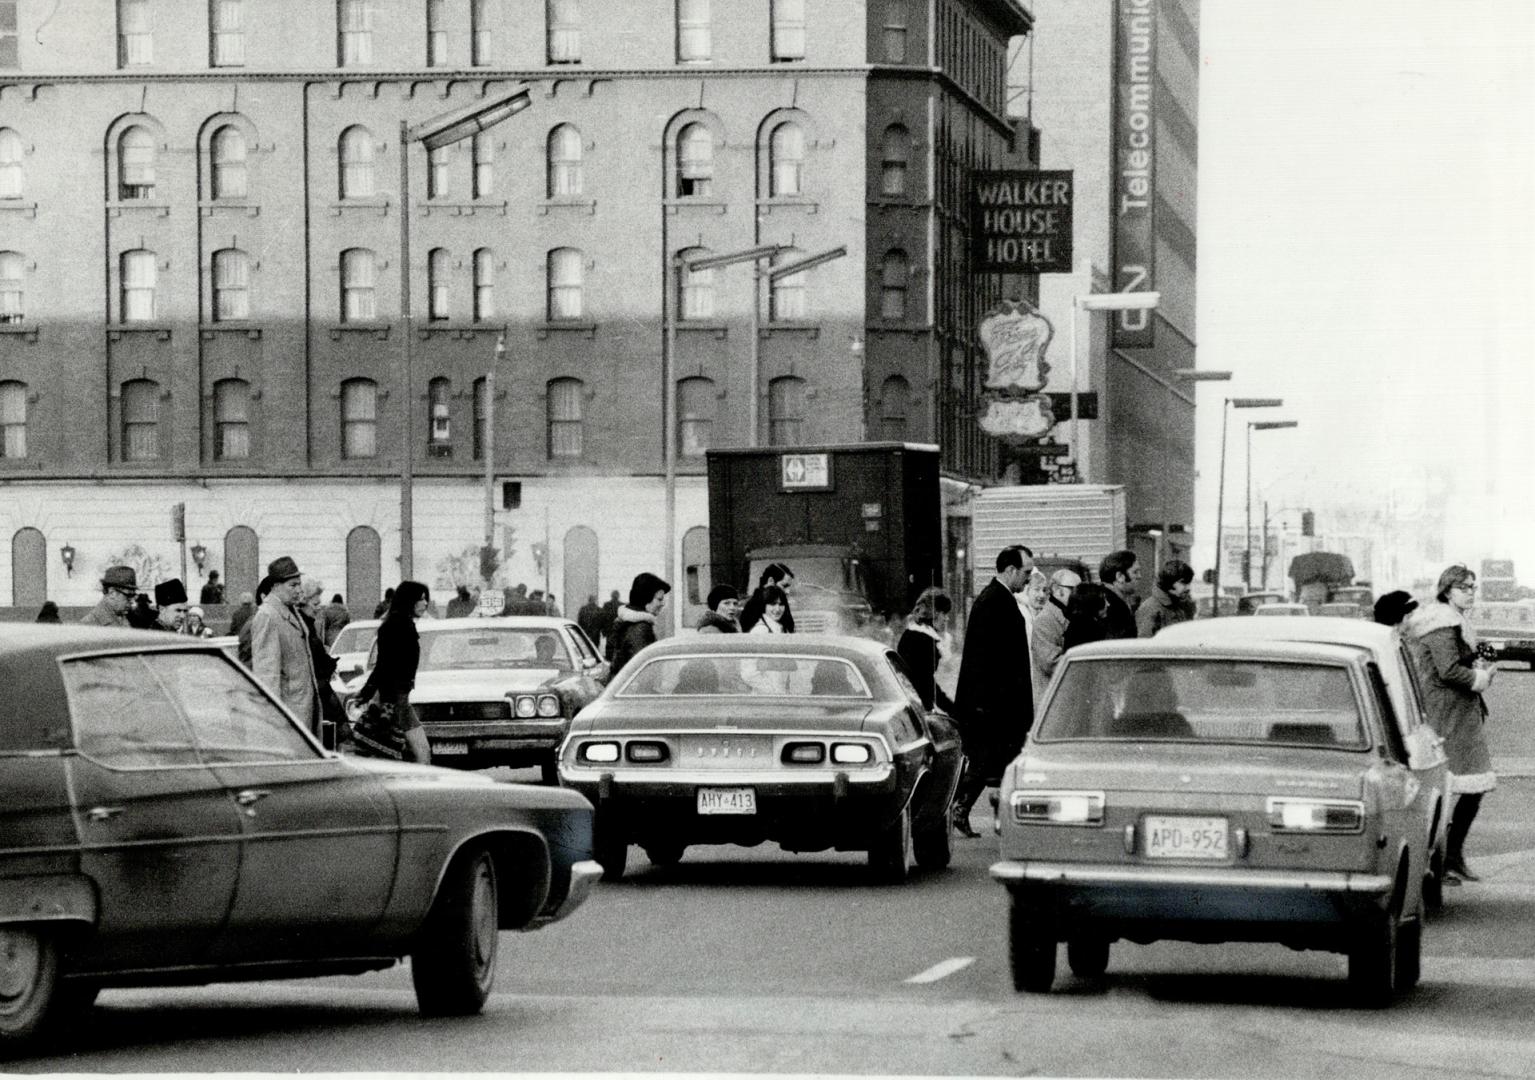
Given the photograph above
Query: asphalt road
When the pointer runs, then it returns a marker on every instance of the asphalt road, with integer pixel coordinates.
(756, 961)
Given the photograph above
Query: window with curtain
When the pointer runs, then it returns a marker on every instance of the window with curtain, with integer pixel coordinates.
(564, 21)
(786, 411)
(894, 273)
(566, 401)
(356, 163)
(359, 418)
(141, 420)
(695, 288)
(13, 420)
(437, 269)
(786, 158)
(437, 172)
(356, 22)
(895, 31)
(895, 152)
(140, 273)
(231, 285)
(12, 177)
(894, 407)
(484, 285)
(480, 43)
(226, 20)
(696, 406)
(439, 438)
(227, 149)
(695, 161)
(483, 150)
(231, 420)
(479, 420)
(788, 30)
(786, 296)
(436, 33)
(359, 271)
(565, 172)
(136, 164)
(13, 300)
(566, 267)
(694, 34)
(135, 38)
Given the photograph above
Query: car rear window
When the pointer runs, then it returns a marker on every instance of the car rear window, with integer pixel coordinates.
(746, 676)
(1217, 701)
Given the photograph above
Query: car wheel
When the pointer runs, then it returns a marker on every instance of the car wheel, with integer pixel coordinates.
(74, 997)
(930, 842)
(1409, 953)
(453, 964)
(665, 852)
(890, 855)
(29, 979)
(610, 848)
(1088, 957)
(1030, 948)
(1372, 959)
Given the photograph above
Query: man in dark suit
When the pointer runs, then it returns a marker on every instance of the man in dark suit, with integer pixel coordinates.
(994, 696)
(1121, 572)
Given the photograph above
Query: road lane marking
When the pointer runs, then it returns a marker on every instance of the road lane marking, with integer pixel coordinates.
(943, 969)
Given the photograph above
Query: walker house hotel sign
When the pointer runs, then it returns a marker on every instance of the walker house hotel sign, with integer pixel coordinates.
(1135, 132)
(1020, 222)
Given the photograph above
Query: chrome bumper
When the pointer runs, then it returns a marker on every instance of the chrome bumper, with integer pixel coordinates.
(1010, 871)
(649, 776)
(583, 875)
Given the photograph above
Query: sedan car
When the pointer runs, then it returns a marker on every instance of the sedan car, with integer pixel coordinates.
(814, 742)
(1209, 792)
(353, 643)
(167, 821)
(1282, 610)
(501, 691)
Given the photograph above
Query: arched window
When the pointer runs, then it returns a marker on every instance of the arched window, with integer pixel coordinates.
(12, 178)
(242, 560)
(483, 149)
(136, 164)
(786, 156)
(696, 407)
(695, 161)
(141, 420)
(566, 271)
(786, 296)
(13, 299)
(565, 172)
(227, 149)
(479, 419)
(358, 281)
(894, 273)
(439, 439)
(359, 418)
(13, 420)
(356, 150)
(484, 284)
(479, 33)
(437, 284)
(140, 274)
(695, 288)
(231, 285)
(786, 411)
(894, 408)
(895, 152)
(437, 172)
(788, 30)
(231, 420)
(567, 399)
(29, 568)
(364, 566)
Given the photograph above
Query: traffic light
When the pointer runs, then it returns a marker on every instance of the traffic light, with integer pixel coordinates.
(1307, 523)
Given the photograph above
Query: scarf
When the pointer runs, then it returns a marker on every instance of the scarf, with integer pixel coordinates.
(1439, 616)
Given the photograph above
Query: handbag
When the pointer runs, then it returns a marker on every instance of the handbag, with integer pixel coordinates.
(374, 733)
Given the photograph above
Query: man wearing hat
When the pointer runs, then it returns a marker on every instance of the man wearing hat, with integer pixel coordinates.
(1392, 608)
(119, 586)
(280, 654)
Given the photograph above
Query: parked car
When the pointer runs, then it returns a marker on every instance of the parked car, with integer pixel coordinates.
(1205, 606)
(1281, 610)
(167, 821)
(500, 691)
(814, 742)
(351, 648)
(1344, 610)
(1248, 603)
(1508, 628)
(1210, 792)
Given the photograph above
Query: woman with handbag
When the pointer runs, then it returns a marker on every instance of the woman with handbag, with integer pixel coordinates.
(386, 694)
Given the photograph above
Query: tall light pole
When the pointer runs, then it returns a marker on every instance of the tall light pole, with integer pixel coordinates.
(1120, 301)
(1247, 555)
(1220, 497)
(445, 129)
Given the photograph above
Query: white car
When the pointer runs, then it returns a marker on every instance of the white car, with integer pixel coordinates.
(351, 648)
(1282, 609)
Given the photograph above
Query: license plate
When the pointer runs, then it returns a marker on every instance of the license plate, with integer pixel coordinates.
(727, 800)
(450, 747)
(1185, 837)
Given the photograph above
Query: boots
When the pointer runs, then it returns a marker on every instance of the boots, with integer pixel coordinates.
(1460, 825)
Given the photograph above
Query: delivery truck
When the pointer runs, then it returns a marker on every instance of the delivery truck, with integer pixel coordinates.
(1064, 525)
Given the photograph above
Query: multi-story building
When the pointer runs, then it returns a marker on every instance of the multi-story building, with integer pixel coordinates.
(201, 272)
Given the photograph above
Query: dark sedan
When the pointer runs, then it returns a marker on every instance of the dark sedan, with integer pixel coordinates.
(813, 742)
(166, 821)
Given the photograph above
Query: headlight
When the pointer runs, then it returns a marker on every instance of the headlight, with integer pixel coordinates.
(1057, 807)
(548, 705)
(1316, 815)
(600, 752)
(803, 753)
(525, 707)
(851, 754)
(646, 752)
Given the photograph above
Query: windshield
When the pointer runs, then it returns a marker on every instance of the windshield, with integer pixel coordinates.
(354, 639)
(818, 575)
(747, 676)
(1217, 701)
(493, 648)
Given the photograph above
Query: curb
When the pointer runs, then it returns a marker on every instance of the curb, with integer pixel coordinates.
(1514, 768)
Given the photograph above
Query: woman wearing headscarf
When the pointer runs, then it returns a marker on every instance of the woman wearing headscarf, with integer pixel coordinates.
(1454, 678)
(394, 672)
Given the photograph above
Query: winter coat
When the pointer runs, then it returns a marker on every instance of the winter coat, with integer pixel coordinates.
(280, 658)
(331, 619)
(766, 624)
(1444, 647)
(1161, 609)
(994, 696)
(921, 651)
(715, 623)
(1121, 617)
(103, 615)
(632, 631)
(399, 654)
(241, 618)
(1049, 639)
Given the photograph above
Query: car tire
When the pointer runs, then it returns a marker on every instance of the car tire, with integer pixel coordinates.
(1031, 948)
(930, 842)
(610, 848)
(1088, 957)
(29, 981)
(453, 964)
(1372, 959)
(1409, 953)
(665, 852)
(890, 855)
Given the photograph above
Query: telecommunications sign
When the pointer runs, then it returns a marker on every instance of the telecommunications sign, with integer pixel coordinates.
(1135, 132)
(1020, 221)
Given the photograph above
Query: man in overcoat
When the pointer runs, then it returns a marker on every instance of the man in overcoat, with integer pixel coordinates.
(280, 654)
(119, 588)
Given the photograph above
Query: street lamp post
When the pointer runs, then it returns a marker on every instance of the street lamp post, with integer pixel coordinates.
(1120, 301)
(1247, 555)
(442, 130)
(1220, 496)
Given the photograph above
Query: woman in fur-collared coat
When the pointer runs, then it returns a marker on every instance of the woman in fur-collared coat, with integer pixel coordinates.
(1444, 645)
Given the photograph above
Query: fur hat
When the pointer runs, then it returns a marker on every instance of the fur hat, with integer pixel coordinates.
(1393, 607)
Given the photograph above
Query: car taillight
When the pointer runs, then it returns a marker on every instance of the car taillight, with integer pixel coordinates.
(646, 752)
(598, 752)
(1057, 807)
(1316, 815)
(803, 753)
(851, 753)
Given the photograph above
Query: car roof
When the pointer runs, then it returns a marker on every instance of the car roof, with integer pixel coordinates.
(715, 644)
(1319, 628)
(504, 622)
(1166, 647)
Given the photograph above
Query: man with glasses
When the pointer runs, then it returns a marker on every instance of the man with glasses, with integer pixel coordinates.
(119, 586)
(1050, 626)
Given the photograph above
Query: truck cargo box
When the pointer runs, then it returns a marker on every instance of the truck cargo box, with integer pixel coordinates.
(1057, 522)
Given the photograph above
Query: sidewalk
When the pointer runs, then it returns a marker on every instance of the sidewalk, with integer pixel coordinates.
(1514, 766)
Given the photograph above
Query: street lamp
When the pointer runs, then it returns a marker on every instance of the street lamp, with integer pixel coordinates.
(1247, 556)
(442, 130)
(1220, 495)
(1120, 301)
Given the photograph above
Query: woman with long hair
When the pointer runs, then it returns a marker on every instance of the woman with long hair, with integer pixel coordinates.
(773, 574)
(775, 609)
(394, 671)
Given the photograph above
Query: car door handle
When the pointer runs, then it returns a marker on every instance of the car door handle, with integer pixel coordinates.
(251, 796)
(103, 813)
